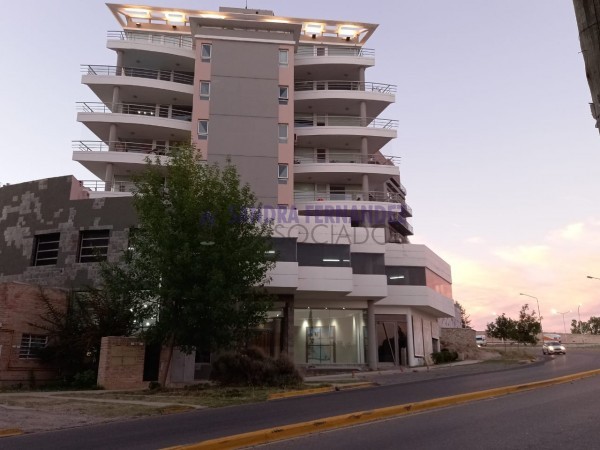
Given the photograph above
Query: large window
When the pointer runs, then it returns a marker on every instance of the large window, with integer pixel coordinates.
(203, 129)
(31, 344)
(283, 133)
(405, 275)
(93, 245)
(206, 52)
(46, 249)
(284, 249)
(368, 263)
(204, 90)
(324, 255)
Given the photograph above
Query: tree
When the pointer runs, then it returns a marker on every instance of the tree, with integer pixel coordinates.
(527, 327)
(502, 328)
(198, 261)
(465, 319)
(594, 324)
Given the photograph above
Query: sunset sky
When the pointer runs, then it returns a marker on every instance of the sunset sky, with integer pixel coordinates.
(498, 148)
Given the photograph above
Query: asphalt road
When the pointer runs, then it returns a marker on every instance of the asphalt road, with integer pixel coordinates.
(558, 417)
(160, 432)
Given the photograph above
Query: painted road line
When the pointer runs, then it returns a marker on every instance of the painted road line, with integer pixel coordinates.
(6, 432)
(345, 420)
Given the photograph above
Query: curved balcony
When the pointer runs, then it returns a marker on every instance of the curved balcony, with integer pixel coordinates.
(328, 131)
(98, 188)
(344, 168)
(336, 96)
(160, 122)
(157, 86)
(332, 62)
(126, 157)
(168, 48)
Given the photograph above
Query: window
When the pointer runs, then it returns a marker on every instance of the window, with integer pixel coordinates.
(368, 263)
(283, 249)
(283, 133)
(203, 129)
(46, 249)
(283, 57)
(31, 344)
(282, 173)
(407, 276)
(206, 52)
(324, 255)
(204, 90)
(93, 246)
(283, 95)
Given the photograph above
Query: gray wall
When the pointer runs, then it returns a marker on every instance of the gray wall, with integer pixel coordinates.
(244, 111)
(44, 206)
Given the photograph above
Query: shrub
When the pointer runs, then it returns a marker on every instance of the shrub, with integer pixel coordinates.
(444, 356)
(85, 379)
(251, 367)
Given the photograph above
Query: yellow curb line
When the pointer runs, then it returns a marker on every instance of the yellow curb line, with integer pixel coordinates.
(279, 395)
(345, 420)
(10, 432)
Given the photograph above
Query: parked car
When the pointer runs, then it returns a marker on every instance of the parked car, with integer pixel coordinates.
(553, 347)
(480, 340)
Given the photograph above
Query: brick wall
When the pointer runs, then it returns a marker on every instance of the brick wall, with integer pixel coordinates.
(121, 363)
(20, 307)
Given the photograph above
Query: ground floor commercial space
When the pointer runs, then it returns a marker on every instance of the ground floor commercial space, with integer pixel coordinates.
(340, 336)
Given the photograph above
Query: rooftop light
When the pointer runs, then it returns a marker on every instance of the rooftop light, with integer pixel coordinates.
(213, 16)
(171, 16)
(348, 30)
(313, 28)
(137, 13)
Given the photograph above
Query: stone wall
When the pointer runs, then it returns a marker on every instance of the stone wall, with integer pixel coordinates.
(461, 340)
(21, 306)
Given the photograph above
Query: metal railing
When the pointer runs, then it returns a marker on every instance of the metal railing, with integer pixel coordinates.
(152, 74)
(310, 120)
(341, 85)
(170, 40)
(401, 220)
(407, 208)
(345, 196)
(316, 50)
(345, 158)
(162, 111)
(119, 146)
(106, 186)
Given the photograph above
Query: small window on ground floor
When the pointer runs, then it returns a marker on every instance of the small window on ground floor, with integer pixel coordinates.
(31, 344)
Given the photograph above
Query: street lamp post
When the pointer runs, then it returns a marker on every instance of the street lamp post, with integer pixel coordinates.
(563, 314)
(593, 278)
(539, 314)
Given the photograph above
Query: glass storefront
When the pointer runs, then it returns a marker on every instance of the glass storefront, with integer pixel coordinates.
(329, 336)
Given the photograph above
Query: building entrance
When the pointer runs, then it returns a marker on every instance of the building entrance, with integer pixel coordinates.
(391, 341)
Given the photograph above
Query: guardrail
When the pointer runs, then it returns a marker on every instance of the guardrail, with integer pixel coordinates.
(152, 74)
(103, 186)
(317, 50)
(310, 120)
(162, 111)
(346, 158)
(344, 196)
(341, 85)
(170, 40)
(119, 146)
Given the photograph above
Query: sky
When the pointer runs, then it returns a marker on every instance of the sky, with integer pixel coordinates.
(498, 148)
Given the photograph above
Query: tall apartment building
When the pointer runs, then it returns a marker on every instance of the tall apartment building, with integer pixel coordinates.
(288, 102)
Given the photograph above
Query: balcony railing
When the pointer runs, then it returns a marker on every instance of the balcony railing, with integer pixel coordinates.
(119, 146)
(162, 111)
(341, 85)
(345, 196)
(170, 40)
(309, 50)
(152, 74)
(397, 238)
(347, 158)
(103, 186)
(310, 120)
(399, 222)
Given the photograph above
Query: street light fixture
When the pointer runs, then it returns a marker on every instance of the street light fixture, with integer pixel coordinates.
(593, 278)
(563, 314)
(538, 308)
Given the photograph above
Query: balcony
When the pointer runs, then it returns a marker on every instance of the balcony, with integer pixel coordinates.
(332, 62)
(160, 122)
(309, 51)
(347, 196)
(342, 97)
(328, 131)
(172, 48)
(400, 224)
(98, 188)
(152, 74)
(168, 40)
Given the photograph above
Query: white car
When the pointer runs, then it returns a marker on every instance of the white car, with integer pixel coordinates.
(553, 347)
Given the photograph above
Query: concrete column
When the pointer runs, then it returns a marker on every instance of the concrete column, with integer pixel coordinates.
(371, 336)
(361, 77)
(116, 98)
(108, 177)
(287, 332)
(410, 340)
(112, 137)
(363, 114)
(119, 62)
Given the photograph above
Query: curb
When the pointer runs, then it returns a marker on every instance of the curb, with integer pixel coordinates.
(344, 387)
(304, 428)
(10, 432)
